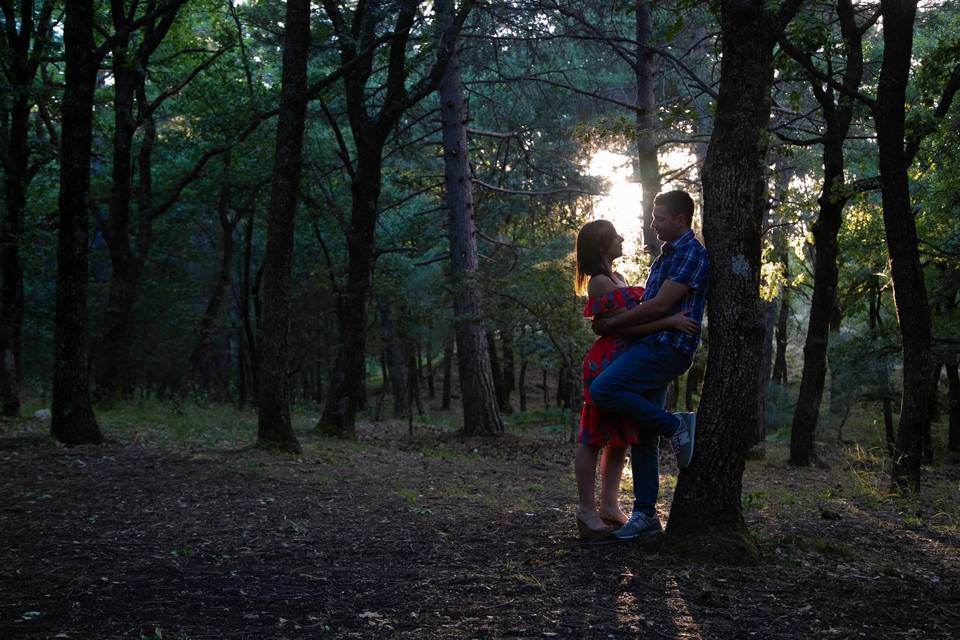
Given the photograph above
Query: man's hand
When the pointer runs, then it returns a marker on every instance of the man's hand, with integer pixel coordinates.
(601, 326)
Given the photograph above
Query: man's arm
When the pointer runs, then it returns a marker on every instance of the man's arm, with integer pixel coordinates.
(669, 294)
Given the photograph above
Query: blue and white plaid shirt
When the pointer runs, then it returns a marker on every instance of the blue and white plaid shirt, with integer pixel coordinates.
(684, 261)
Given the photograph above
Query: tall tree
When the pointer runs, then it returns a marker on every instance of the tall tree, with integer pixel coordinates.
(477, 387)
(370, 124)
(274, 427)
(24, 49)
(909, 288)
(837, 113)
(72, 419)
(706, 507)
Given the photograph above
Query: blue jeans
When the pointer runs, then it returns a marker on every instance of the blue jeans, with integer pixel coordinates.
(635, 385)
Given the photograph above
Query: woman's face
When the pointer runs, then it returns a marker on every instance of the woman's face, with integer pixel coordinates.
(615, 249)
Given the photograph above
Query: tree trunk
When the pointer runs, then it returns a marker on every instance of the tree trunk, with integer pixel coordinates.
(348, 382)
(274, 429)
(72, 419)
(400, 378)
(647, 163)
(21, 64)
(202, 347)
(909, 288)
(706, 515)
(928, 427)
(447, 374)
(480, 411)
(766, 361)
(431, 374)
(953, 376)
(499, 382)
(780, 360)
(509, 366)
(246, 323)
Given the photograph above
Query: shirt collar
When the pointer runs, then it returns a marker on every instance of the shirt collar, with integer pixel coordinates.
(686, 237)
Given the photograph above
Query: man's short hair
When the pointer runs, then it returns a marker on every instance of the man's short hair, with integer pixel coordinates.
(677, 203)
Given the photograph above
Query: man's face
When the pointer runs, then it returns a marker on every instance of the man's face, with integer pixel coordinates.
(667, 226)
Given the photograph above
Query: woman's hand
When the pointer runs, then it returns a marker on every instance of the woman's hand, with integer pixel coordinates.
(682, 322)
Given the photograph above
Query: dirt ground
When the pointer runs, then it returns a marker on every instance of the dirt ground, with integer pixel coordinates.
(443, 537)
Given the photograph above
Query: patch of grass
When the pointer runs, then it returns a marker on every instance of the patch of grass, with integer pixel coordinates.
(408, 495)
(818, 545)
(755, 500)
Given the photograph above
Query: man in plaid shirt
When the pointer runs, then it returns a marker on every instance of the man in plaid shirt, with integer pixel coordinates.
(635, 384)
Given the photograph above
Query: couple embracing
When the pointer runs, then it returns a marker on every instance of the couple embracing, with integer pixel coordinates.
(648, 337)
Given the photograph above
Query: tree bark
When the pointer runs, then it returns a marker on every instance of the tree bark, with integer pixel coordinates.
(766, 361)
(953, 377)
(706, 516)
(780, 360)
(274, 429)
(480, 411)
(72, 419)
(647, 163)
(909, 288)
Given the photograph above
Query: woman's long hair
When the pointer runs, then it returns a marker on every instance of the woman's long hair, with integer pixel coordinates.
(592, 240)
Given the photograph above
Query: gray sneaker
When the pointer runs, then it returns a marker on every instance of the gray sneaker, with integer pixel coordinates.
(683, 438)
(639, 524)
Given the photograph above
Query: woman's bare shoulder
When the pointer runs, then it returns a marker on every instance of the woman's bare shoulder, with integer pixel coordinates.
(601, 284)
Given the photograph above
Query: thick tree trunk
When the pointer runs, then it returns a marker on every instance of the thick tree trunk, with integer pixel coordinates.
(72, 419)
(706, 515)
(953, 377)
(480, 412)
(909, 288)
(647, 163)
(274, 429)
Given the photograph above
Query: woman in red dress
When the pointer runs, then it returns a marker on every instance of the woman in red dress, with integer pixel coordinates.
(598, 245)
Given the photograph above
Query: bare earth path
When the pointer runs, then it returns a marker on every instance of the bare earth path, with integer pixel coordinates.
(435, 537)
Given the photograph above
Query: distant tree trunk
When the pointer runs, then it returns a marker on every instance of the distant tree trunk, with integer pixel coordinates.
(499, 383)
(766, 361)
(72, 419)
(447, 373)
(647, 163)
(228, 224)
(780, 360)
(928, 427)
(833, 197)
(431, 376)
(522, 377)
(509, 379)
(480, 412)
(546, 391)
(274, 429)
(909, 288)
(706, 513)
(246, 323)
(953, 376)
(400, 378)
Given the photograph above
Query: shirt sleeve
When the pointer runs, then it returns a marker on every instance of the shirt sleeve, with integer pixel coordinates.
(691, 268)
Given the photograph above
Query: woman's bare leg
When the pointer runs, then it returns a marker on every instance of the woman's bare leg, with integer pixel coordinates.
(585, 466)
(611, 470)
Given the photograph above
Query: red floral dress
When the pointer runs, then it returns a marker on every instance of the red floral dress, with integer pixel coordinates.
(597, 427)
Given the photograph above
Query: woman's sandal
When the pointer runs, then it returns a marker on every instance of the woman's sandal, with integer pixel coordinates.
(587, 533)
